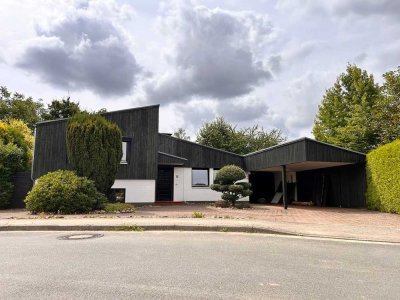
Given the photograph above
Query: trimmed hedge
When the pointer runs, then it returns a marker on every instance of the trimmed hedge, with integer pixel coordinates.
(64, 192)
(94, 147)
(383, 178)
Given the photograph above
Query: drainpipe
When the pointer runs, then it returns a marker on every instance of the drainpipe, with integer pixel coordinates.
(284, 187)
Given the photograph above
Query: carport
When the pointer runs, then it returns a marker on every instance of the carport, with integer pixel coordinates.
(306, 170)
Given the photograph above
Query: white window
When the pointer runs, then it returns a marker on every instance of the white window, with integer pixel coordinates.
(200, 177)
(124, 153)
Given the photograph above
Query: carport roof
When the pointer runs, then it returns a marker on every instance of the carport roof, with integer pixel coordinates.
(306, 153)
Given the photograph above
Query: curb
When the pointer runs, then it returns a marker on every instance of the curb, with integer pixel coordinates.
(199, 228)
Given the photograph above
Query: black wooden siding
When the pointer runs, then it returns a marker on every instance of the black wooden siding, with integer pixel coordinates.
(283, 154)
(317, 151)
(197, 156)
(346, 185)
(140, 124)
(168, 159)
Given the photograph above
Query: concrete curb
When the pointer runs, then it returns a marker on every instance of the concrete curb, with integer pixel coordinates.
(137, 228)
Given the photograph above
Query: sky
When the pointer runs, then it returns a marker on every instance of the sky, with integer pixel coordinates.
(253, 62)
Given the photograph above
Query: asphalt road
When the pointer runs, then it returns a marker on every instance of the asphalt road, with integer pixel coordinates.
(182, 265)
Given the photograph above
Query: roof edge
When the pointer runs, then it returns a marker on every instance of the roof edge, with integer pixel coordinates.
(104, 113)
(194, 143)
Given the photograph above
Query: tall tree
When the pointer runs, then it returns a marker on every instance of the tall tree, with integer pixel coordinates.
(388, 109)
(59, 109)
(17, 106)
(222, 135)
(180, 133)
(345, 116)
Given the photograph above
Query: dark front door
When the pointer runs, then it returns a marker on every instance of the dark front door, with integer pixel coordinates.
(165, 181)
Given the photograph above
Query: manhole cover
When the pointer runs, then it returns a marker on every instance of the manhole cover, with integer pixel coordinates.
(84, 236)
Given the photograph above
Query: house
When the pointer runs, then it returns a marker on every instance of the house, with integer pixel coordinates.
(158, 167)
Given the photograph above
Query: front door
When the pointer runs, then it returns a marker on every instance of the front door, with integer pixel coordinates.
(165, 181)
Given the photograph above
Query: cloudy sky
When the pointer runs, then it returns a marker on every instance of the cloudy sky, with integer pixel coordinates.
(254, 62)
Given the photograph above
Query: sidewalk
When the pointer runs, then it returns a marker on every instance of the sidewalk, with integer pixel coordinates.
(357, 224)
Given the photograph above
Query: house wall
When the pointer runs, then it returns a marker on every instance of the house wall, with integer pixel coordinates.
(139, 124)
(183, 190)
(137, 191)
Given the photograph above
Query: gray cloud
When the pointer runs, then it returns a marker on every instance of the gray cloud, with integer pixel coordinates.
(214, 54)
(242, 109)
(82, 51)
(367, 7)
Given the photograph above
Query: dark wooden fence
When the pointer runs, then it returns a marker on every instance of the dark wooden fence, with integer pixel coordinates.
(22, 185)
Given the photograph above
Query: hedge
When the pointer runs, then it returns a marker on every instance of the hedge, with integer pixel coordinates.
(383, 178)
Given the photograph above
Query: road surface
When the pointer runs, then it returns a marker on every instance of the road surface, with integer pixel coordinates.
(194, 265)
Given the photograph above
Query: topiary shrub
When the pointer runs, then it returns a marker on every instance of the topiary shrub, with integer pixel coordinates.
(227, 184)
(94, 147)
(383, 178)
(64, 192)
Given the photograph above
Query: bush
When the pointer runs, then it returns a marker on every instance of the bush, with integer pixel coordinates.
(197, 214)
(11, 161)
(383, 178)
(227, 182)
(64, 192)
(94, 148)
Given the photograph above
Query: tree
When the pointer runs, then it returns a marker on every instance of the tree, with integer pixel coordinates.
(180, 133)
(227, 182)
(94, 147)
(17, 106)
(59, 109)
(347, 112)
(222, 135)
(388, 109)
(16, 132)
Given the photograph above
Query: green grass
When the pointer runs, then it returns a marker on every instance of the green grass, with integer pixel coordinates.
(119, 207)
(129, 228)
(197, 214)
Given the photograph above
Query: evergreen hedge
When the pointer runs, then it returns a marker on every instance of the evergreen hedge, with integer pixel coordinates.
(94, 147)
(383, 178)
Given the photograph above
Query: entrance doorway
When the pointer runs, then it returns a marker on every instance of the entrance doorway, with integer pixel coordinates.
(165, 183)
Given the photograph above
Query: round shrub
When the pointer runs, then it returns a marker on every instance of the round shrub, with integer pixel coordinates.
(64, 192)
(229, 174)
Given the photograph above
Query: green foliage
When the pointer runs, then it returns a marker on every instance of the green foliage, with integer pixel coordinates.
(11, 161)
(64, 192)
(198, 215)
(119, 208)
(226, 182)
(387, 118)
(222, 135)
(17, 132)
(59, 109)
(180, 133)
(94, 148)
(229, 174)
(383, 178)
(17, 106)
(347, 110)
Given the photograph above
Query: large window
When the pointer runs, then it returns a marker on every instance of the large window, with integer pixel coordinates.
(200, 177)
(215, 174)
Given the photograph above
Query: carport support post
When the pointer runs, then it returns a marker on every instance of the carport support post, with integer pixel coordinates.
(284, 187)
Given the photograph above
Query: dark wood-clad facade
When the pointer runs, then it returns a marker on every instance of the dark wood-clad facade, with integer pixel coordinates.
(198, 156)
(140, 125)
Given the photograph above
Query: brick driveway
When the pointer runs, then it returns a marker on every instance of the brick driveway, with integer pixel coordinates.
(294, 214)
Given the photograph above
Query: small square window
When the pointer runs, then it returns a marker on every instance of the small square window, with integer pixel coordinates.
(200, 177)
(118, 195)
